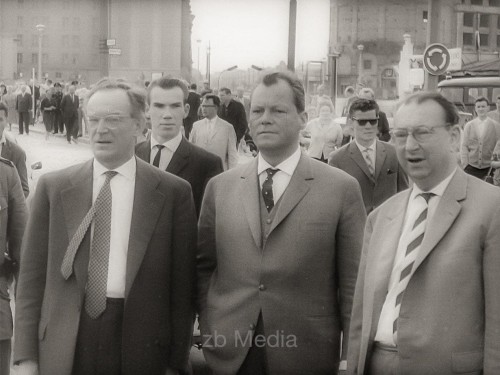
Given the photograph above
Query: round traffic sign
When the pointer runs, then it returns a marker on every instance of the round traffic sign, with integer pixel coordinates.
(436, 59)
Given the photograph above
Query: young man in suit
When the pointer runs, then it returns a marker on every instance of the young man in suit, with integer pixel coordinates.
(427, 298)
(69, 110)
(23, 108)
(372, 162)
(194, 101)
(10, 150)
(114, 294)
(214, 134)
(233, 112)
(278, 252)
(12, 222)
(168, 149)
(383, 124)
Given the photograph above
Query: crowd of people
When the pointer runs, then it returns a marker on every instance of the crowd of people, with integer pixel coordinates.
(375, 251)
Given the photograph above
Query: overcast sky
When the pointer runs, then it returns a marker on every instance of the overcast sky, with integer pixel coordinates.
(246, 32)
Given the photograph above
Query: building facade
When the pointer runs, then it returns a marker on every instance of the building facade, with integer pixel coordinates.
(76, 34)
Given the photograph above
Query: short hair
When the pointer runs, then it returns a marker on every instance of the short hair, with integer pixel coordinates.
(4, 108)
(482, 99)
(450, 111)
(225, 90)
(273, 78)
(214, 98)
(367, 91)
(168, 83)
(349, 90)
(193, 86)
(363, 105)
(136, 96)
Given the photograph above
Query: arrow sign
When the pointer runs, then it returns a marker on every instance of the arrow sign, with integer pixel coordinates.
(436, 59)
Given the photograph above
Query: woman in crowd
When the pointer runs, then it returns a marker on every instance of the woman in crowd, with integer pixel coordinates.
(47, 107)
(10, 101)
(325, 135)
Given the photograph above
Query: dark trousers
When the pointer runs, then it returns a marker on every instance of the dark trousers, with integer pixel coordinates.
(255, 362)
(5, 357)
(58, 123)
(71, 127)
(24, 121)
(476, 172)
(99, 343)
(384, 360)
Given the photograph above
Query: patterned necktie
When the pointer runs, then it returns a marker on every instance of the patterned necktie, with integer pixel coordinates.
(156, 161)
(100, 212)
(267, 189)
(415, 237)
(369, 161)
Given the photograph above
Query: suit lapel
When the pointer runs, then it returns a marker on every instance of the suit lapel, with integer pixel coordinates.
(355, 154)
(297, 188)
(6, 151)
(380, 158)
(251, 200)
(148, 203)
(144, 151)
(76, 201)
(180, 158)
(444, 216)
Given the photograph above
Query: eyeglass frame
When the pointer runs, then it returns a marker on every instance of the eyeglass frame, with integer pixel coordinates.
(410, 131)
(105, 119)
(364, 122)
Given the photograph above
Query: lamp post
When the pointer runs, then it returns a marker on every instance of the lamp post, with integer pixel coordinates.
(226, 70)
(40, 29)
(198, 41)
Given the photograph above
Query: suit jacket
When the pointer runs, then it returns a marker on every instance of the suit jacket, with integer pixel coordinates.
(450, 314)
(246, 105)
(24, 102)
(389, 177)
(221, 142)
(301, 278)
(235, 114)
(189, 162)
(13, 152)
(383, 127)
(158, 311)
(13, 217)
(69, 108)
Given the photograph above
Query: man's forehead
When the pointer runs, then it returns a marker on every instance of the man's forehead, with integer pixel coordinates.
(365, 115)
(276, 92)
(164, 95)
(413, 113)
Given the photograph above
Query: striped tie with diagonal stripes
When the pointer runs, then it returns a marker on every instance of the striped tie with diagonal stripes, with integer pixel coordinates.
(415, 238)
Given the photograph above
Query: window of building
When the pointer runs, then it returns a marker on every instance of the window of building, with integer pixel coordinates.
(498, 40)
(20, 21)
(19, 58)
(367, 64)
(34, 58)
(469, 19)
(484, 40)
(468, 39)
(19, 40)
(498, 22)
(494, 3)
(425, 15)
(484, 20)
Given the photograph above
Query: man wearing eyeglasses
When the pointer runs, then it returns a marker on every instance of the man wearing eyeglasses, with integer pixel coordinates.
(427, 299)
(372, 162)
(113, 293)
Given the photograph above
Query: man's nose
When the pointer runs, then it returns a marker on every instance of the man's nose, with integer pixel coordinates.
(266, 117)
(411, 142)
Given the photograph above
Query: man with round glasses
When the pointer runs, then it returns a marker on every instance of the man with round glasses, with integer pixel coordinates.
(370, 161)
(426, 299)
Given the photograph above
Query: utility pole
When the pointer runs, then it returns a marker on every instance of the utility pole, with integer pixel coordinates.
(292, 26)
(433, 33)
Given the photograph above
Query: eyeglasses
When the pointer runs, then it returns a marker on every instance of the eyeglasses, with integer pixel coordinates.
(111, 121)
(207, 105)
(421, 133)
(364, 121)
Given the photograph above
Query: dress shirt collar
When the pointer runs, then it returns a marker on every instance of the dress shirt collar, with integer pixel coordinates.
(288, 165)
(362, 148)
(171, 144)
(212, 121)
(438, 190)
(127, 169)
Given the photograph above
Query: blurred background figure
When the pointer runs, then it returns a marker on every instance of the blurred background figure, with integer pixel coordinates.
(10, 101)
(322, 99)
(194, 101)
(47, 107)
(383, 123)
(350, 95)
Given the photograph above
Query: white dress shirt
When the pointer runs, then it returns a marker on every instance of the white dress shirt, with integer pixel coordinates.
(414, 207)
(167, 152)
(282, 178)
(371, 150)
(211, 124)
(481, 127)
(122, 189)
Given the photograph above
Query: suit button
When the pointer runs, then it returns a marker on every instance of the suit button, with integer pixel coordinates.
(268, 221)
(252, 326)
(262, 287)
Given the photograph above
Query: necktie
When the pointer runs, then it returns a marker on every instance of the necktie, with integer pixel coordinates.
(369, 161)
(100, 212)
(267, 189)
(156, 161)
(415, 238)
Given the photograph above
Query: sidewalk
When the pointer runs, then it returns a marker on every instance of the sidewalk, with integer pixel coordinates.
(39, 128)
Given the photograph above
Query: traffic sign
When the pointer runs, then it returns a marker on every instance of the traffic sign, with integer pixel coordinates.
(115, 51)
(436, 59)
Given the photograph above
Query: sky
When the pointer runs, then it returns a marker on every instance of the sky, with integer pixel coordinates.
(246, 32)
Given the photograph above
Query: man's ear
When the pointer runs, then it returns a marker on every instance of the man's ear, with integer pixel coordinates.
(303, 120)
(456, 137)
(186, 110)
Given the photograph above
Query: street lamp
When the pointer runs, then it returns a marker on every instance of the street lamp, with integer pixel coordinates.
(198, 41)
(40, 29)
(226, 70)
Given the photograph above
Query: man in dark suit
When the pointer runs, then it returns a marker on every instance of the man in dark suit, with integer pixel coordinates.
(427, 299)
(12, 222)
(10, 150)
(278, 252)
(167, 148)
(372, 162)
(69, 110)
(23, 108)
(383, 124)
(233, 112)
(114, 293)
(194, 101)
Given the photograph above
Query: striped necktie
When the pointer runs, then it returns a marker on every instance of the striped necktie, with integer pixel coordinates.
(415, 237)
(267, 189)
(369, 161)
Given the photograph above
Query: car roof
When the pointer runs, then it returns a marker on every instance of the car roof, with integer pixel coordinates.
(471, 82)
